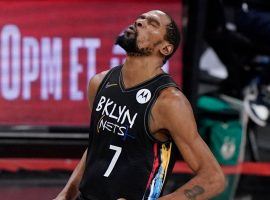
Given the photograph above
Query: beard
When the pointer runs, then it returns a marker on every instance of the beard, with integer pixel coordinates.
(128, 41)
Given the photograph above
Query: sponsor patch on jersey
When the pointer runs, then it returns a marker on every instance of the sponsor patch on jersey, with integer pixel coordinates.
(143, 96)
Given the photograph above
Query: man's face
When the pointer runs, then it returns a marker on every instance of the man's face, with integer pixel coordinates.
(144, 37)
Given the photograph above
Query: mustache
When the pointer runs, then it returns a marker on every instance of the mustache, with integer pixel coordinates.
(126, 33)
(133, 28)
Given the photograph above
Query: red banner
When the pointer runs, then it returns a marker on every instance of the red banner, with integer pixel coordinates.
(49, 50)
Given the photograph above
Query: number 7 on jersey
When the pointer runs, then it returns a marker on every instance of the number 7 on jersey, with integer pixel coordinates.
(114, 159)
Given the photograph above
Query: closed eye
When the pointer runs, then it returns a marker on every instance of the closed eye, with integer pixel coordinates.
(141, 17)
(153, 21)
(150, 20)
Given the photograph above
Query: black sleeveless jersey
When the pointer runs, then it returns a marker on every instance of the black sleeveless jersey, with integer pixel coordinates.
(124, 160)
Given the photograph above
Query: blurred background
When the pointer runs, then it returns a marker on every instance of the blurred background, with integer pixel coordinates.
(50, 49)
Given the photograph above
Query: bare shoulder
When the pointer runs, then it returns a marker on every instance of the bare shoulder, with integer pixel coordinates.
(171, 99)
(93, 85)
(97, 79)
(174, 113)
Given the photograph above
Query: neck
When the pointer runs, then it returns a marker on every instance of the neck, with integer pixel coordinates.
(139, 69)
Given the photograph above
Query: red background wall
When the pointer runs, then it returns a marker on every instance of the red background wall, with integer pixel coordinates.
(102, 20)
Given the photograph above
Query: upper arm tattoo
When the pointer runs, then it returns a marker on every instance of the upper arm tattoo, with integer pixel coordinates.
(191, 194)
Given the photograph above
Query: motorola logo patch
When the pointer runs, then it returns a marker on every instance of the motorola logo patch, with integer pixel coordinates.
(143, 96)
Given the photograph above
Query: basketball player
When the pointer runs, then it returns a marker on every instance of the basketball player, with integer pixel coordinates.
(139, 117)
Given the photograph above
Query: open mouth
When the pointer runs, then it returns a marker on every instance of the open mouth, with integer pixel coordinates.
(130, 31)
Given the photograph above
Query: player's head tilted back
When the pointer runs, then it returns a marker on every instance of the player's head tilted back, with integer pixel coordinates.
(153, 34)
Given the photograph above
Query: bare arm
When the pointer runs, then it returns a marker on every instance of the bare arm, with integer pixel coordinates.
(173, 112)
(71, 190)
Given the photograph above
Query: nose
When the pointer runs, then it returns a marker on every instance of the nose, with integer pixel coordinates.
(139, 23)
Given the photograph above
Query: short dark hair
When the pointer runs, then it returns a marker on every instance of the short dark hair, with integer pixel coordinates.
(172, 36)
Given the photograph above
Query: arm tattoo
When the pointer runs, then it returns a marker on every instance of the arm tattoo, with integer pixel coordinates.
(191, 194)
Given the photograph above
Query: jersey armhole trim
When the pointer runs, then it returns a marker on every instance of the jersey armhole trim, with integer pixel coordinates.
(148, 111)
(104, 81)
(100, 87)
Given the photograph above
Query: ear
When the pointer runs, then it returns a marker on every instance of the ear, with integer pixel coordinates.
(166, 49)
